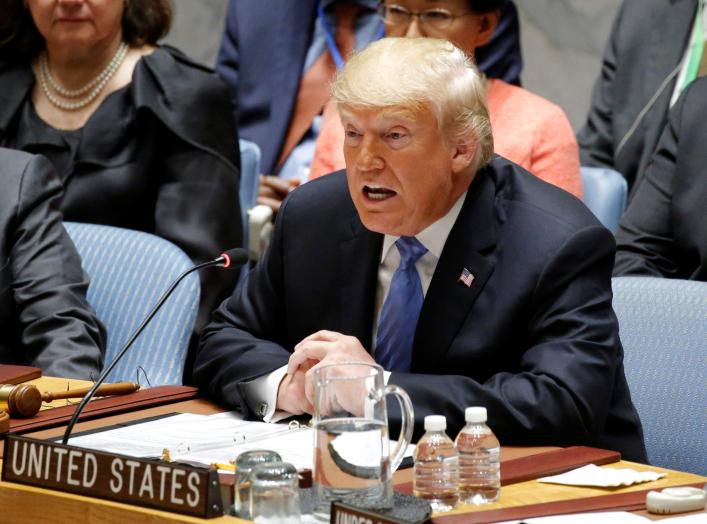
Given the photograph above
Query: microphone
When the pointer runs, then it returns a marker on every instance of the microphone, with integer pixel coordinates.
(230, 259)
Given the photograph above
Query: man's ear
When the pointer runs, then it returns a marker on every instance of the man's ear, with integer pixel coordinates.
(488, 22)
(464, 154)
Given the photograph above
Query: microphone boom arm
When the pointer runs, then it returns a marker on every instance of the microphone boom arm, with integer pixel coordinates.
(224, 260)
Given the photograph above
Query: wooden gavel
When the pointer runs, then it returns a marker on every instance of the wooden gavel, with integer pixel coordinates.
(24, 401)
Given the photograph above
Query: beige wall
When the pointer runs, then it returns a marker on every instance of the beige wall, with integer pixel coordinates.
(562, 43)
(198, 26)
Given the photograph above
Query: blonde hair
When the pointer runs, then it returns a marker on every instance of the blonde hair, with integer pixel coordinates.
(416, 73)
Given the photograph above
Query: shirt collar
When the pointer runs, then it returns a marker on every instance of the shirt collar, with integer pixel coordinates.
(434, 236)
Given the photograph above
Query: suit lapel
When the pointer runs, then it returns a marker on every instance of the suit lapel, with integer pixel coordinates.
(449, 300)
(359, 259)
(289, 53)
(670, 32)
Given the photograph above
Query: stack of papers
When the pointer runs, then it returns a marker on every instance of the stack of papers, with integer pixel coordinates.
(213, 439)
(203, 439)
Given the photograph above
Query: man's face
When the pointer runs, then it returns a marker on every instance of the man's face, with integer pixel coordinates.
(402, 174)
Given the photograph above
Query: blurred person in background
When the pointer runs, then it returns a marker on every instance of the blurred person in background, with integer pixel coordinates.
(663, 232)
(141, 136)
(528, 129)
(655, 50)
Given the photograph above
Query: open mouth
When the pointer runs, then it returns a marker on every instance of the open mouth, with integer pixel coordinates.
(378, 193)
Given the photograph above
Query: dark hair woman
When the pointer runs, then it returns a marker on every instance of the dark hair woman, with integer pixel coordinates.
(140, 135)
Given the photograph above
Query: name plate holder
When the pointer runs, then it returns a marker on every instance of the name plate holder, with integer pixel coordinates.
(148, 483)
(342, 513)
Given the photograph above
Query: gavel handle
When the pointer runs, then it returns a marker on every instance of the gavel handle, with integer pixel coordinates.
(119, 388)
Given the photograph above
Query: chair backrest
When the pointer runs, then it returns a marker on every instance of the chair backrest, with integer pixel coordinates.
(663, 328)
(250, 171)
(248, 195)
(129, 271)
(605, 192)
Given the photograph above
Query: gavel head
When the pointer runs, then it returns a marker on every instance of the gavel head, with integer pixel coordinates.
(21, 400)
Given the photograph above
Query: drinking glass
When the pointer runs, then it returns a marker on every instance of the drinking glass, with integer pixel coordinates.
(274, 493)
(245, 462)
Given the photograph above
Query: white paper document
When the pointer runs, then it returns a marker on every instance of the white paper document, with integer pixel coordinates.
(607, 517)
(206, 439)
(594, 476)
(610, 517)
(695, 518)
(203, 439)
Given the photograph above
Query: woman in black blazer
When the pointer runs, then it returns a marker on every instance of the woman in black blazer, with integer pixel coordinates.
(140, 135)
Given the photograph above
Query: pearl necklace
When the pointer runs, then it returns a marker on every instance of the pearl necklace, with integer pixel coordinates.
(95, 86)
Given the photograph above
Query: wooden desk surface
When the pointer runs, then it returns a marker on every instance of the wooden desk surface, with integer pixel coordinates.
(55, 384)
(24, 504)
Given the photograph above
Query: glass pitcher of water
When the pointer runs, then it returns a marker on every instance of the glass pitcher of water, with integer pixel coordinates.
(353, 462)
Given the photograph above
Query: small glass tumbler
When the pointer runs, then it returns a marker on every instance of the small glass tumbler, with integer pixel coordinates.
(245, 462)
(274, 494)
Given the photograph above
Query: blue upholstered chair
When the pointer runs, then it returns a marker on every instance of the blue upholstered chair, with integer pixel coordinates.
(605, 192)
(129, 271)
(663, 327)
(257, 226)
(250, 171)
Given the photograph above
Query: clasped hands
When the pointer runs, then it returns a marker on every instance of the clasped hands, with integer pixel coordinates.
(298, 388)
(272, 191)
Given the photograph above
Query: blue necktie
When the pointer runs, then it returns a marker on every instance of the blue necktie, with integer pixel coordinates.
(398, 318)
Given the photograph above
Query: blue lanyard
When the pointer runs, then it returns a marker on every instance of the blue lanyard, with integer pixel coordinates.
(331, 41)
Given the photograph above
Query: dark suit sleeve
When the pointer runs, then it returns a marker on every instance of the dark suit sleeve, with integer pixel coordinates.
(596, 139)
(645, 239)
(59, 332)
(227, 62)
(559, 388)
(246, 337)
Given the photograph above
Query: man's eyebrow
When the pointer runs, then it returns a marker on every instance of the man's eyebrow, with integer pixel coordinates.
(404, 114)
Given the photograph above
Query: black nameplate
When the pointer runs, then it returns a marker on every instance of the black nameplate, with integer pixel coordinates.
(344, 514)
(149, 483)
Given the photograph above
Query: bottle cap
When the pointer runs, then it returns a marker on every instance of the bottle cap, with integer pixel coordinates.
(435, 423)
(475, 415)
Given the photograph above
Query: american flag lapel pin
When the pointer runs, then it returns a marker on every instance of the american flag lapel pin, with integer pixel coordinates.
(466, 278)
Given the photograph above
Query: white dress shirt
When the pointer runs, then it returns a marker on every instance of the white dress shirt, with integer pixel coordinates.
(263, 391)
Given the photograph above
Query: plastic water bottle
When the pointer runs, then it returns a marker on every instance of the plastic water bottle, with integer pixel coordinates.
(479, 460)
(436, 471)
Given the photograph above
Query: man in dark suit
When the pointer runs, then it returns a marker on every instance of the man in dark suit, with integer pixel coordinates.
(645, 67)
(266, 48)
(46, 321)
(664, 231)
(469, 280)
